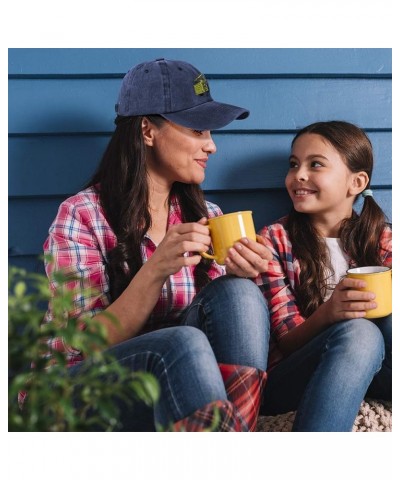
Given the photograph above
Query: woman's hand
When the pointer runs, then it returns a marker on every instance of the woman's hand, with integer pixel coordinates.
(171, 254)
(346, 302)
(248, 258)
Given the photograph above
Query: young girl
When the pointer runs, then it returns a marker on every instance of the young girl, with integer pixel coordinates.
(324, 356)
(134, 235)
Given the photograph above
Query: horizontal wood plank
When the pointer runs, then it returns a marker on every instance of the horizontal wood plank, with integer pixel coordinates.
(208, 60)
(54, 106)
(50, 165)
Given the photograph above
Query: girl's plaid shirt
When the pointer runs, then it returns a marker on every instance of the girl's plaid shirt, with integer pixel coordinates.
(79, 241)
(279, 284)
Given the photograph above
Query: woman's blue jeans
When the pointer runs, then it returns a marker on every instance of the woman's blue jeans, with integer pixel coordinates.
(327, 379)
(227, 322)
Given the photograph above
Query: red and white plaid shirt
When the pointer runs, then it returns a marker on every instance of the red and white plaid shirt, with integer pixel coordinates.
(79, 241)
(279, 284)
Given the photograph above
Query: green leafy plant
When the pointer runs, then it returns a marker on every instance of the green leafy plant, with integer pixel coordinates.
(53, 402)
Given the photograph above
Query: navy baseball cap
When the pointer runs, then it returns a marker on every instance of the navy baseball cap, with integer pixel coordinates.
(177, 91)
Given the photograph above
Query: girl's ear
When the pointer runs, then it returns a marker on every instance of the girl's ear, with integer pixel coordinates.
(147, 132)
(359, 183)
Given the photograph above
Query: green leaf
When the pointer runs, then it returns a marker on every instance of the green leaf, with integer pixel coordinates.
(20, 289)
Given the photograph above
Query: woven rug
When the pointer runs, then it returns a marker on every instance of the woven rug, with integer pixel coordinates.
(373, 416)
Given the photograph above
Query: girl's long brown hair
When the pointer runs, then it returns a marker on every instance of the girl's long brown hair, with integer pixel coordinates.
(121, 181)
(360, 234)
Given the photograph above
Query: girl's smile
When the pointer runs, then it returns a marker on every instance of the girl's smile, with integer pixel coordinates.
(302, 192)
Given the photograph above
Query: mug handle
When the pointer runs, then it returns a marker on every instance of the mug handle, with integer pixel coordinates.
(207, 255)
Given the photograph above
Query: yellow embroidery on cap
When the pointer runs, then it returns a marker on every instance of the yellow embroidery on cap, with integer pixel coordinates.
(200, 85)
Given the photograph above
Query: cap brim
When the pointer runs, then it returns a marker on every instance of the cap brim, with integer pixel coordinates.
(207, 116)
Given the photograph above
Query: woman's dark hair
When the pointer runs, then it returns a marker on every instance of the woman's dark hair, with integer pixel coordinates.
(360, 234)
(121, 181)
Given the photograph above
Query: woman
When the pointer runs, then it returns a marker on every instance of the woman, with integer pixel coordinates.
(134, 234)
(325, 356)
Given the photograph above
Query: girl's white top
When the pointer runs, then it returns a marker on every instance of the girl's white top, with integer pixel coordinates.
(339, 262)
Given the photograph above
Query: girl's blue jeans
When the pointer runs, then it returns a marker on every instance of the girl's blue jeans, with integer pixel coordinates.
(227, 322)
(327, 379)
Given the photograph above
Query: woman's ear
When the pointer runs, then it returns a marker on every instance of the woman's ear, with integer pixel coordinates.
(147, 132)
(359, 183)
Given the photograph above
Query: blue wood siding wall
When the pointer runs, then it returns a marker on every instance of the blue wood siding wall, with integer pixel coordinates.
(61, 112)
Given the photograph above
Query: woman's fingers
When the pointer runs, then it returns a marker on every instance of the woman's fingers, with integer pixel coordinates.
(188, 237)
(191, 227)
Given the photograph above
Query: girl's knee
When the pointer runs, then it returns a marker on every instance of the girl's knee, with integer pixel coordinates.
(366, 333)
(364, 341)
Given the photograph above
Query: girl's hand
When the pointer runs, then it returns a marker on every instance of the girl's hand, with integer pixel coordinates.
(248, 258)
(346, 302)
(171, 254)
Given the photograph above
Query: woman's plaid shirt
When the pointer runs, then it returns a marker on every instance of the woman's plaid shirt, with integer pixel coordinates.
(279, 284)
(79, 241)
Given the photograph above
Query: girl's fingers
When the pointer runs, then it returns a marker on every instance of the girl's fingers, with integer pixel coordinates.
(360, 306)
(247, 258)
(239, 265)
(347, 283)
(357, 295)
(257, 247)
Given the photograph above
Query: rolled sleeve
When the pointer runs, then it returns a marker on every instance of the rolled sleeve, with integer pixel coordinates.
(74, 250)
(386, 247)
(277, 288)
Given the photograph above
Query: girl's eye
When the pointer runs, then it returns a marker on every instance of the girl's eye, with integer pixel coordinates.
(316, 164)
(292, 164)
(198, 132)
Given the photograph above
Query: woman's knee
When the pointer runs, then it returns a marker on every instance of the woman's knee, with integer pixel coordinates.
(241, 295)
(236, 286)
(190, 358)
(187, 340)
(161, 349)
(247, 298)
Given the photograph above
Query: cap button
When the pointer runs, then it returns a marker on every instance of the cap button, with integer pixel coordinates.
(159, 59)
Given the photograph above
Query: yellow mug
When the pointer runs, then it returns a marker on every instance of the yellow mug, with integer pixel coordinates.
(378, 281)
(226, 230)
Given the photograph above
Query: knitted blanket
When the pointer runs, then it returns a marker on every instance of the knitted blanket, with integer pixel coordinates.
(373, 416)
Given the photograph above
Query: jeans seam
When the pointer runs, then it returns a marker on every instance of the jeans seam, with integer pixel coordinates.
(204, 326)
(163, 373)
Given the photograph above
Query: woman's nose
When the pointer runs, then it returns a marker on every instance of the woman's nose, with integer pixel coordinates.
(209, 145)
